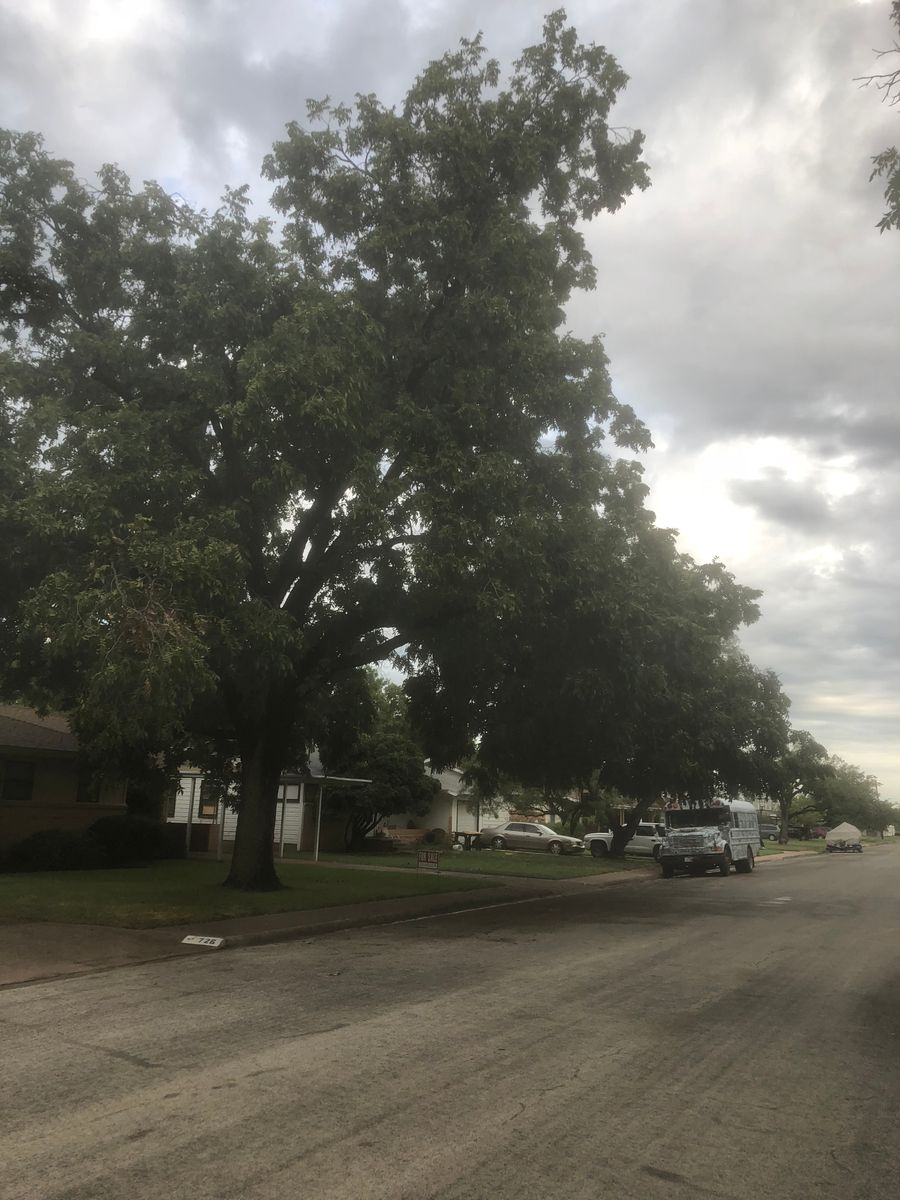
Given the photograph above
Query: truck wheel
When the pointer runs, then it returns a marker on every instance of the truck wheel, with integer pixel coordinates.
(599, 849)
(745, 865)
(667, 870)
(725, 867)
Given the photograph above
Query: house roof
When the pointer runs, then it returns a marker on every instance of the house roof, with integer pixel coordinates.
(450, 779)
(24, 729)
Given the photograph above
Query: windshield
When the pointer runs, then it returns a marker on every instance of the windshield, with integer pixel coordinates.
(691, 818)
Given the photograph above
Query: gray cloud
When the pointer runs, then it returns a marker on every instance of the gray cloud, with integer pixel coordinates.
(786, 501)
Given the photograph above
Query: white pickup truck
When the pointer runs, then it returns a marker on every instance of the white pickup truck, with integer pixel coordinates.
(648, 837)
(598, 844)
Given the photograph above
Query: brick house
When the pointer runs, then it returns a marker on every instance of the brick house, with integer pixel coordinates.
(42, 785)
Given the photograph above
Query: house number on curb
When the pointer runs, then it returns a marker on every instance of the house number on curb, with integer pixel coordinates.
(194, 939)
(429, 860)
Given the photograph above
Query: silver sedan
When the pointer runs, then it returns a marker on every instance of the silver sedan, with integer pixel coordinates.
(525, 835)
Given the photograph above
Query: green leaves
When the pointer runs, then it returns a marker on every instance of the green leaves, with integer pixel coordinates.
(255, 461)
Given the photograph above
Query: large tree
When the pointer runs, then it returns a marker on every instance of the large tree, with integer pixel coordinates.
(261, 461)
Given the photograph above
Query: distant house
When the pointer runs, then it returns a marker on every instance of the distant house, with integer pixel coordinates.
(210, 824)
(455, 808)
(42, 785)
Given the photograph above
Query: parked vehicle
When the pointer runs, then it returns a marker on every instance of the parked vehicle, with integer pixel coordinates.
(647, 839)
(799, 833)
(599, 843)
(845, 838)
(768, 832)
(524, 835)
(717, 836)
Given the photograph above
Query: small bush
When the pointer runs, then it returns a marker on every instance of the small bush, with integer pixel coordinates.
(173, 836)
(128, 841)
(377, 845)
(436, 837)
(57, 850)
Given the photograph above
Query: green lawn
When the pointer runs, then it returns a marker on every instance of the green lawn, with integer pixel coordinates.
(174, 893)
(510, 863)
(817, 845)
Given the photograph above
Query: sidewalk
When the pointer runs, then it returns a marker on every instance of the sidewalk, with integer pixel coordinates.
(32, 951)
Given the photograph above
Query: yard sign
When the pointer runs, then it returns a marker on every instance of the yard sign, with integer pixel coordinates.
(429, 860)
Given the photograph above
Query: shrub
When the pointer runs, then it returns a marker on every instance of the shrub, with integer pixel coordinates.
(57, 850)
(436, 837)
(129, 841)
(173, 836)
(378, 845)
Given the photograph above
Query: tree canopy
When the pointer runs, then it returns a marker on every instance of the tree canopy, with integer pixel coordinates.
(260, 458)
(631, 684)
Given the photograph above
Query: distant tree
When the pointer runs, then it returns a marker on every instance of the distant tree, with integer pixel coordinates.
(848, 794)
(372, 739)
(886, 165)
(260, 461)
(794, 778)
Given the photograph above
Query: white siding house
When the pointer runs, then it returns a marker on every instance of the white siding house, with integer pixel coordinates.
(209, 823)
(454, 808)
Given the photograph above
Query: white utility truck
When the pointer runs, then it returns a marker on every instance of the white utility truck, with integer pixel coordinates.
(716, 835)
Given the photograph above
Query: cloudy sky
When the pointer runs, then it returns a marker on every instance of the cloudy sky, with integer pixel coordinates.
(748, 302)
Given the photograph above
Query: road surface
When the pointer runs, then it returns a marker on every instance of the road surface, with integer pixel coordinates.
(689, 1038)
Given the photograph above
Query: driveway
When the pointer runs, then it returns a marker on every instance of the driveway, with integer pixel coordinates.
(693, 1038)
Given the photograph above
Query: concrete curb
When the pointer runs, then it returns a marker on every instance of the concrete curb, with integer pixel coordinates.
(787, 856)
(461, 902)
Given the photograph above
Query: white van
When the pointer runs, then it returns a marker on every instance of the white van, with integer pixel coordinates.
(719, 834)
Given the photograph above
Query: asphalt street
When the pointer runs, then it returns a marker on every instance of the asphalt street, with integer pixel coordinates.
(689, 1038)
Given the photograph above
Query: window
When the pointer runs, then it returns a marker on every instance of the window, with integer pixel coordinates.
(16, 781)
(88, 792)
(208, 805)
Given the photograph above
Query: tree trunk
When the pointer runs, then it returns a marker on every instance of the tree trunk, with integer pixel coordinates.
(253, 862)
(784, 808)
(622, 834)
